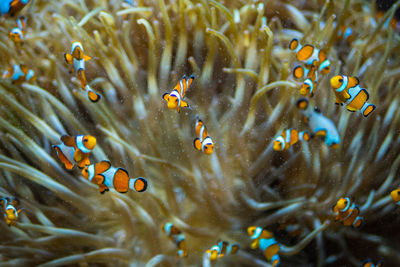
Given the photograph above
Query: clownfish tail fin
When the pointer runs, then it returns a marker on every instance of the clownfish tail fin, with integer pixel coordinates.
(367, 109)
(294, 44)
(139, 184)
(93, 96)
(302, 103)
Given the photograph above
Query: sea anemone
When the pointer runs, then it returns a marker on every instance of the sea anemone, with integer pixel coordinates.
(244, 92)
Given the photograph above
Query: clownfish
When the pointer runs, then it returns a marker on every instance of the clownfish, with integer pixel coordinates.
(370, 263)
(106, 176)
(10, 211)
(19, 74)
(221, 249)
(288, 138)
(307, 88)
(265, 241)
(291, 227)
(346, 34)
(347, 212)
(203, 141)
(394, 23)
(176, 236)
(77, 59)
(311, 56)
(17, 34)
(347, 91)
(319, 124)
(175, 98)
(395, 194)
(75, 149)
(12, 7)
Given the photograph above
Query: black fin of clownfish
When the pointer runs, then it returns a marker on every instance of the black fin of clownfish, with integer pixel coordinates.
(197, 143)
(94, 97)
(302, 103)
(68, 140)
(164, 96)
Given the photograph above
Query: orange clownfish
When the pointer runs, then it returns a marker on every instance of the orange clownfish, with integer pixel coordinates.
(347, 91)
(77, 59)
(370, 263)
(395, 194)
(288, 138)
(311, 56)
(347, 212)
(75, 149)
(175, 98)
(19, 74)
(17, 34)
(346, 34)
(203, 141)
(106, 176)
(265, 241)
(176, 236)
(307, 88)
(223, 248)
(10, 211)
(12, 7)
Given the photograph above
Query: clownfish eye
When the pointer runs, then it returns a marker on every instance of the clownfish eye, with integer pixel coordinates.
(340, 80)
(398, 192)
(86, 170)
(345, 202)
(176, 100)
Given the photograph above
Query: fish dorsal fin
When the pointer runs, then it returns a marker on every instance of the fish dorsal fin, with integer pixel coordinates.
(102, 166)
(68, 140)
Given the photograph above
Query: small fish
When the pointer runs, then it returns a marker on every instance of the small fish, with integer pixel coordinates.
(346, 34)
(319, 124)
(10, 211)
(176, 236)
(369, 263)
(17, 33)
(75, 149)
(310, 71)
(348, 92)
(311, 56)
(175, 98)
(77, 59)
(288, 138)
(19, 74)
(265, 241)
(395, 194)
(12, 7)
(106, 176)
(221, 249)
(203, 142)
(347, 212)
(291, 227)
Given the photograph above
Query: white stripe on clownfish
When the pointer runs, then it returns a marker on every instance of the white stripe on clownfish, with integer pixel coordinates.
(206, 141)
(281, 140)
(344, 84)
(257, 233)
(91, 172)
(177, 95)
(80, 145)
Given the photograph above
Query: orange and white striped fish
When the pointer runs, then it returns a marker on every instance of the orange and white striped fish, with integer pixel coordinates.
(310, 83)
(348, 91)
(17, 33)
(19, 74)
(395, 194)
(77, 59)
(311, 56)
(203, 141)
(288, 138)
(221, 249)
(106, 176)
(10, 211)
(12, 7)
(175, 98)
(75, 149)
(176, 236)
(347, 212)
(370, 263)
(265, 241)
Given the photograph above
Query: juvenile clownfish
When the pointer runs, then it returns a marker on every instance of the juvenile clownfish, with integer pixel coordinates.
(288, 138)
(311, 56)
(394, 23)
(369, 263)
(17, 34)
(176, 236)
(106, 176)
(10, 211)
(221, 249)
(347, 91)
(12, 7)
(265, 241)
(77, 59)
(19, 74)
(346, 34)
(75, 149)
(347, 212)
(319, 124)
(175, 98)
(203, 141)
(395, 194)
(307, 88)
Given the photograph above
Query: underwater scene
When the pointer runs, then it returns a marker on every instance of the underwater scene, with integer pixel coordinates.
(200, 133)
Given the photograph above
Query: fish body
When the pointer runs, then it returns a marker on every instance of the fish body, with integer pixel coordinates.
(17, 33)
(319, 124)
(203, 141)
(175, 98)
(106, 176)
(310, 83)
(12, 7)
(10, 211)
(19, 74)
(75, 149)
(395, 194)
(176, 236)
(221, 249)
(348, 92)
(347, 212)
(264, 240)
(370, 263)
(288, 138)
